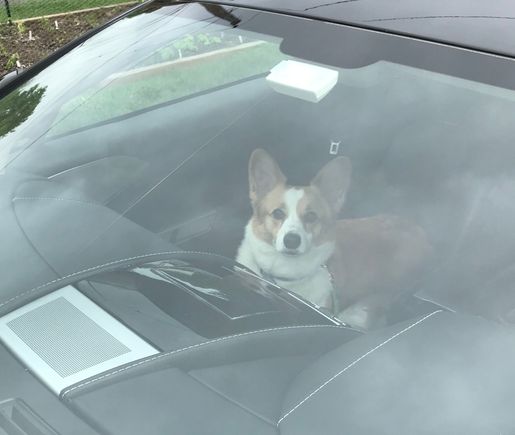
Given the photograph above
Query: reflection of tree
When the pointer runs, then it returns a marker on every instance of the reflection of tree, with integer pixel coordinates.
(17, 106)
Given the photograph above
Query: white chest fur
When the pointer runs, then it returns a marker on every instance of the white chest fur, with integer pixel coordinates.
(317, 288)
(304, 274)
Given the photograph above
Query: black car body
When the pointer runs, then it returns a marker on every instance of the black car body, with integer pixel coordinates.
(123, 198)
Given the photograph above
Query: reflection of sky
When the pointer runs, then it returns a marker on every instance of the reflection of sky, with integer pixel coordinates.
(174, 277)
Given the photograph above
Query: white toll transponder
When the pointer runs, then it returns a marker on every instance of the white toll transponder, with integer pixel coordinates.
(302, 80)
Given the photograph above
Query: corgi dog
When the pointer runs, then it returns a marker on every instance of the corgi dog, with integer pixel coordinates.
(352, 267)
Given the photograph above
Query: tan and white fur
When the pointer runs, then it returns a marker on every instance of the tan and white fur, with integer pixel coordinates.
(294, 238)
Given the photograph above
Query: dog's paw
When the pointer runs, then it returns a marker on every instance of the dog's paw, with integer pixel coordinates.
(356, 315)
(360, 315)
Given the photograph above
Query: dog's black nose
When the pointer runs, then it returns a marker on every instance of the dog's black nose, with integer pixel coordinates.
(291, 241)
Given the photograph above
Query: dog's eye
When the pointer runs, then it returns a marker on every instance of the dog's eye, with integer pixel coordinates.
(310, 217)
(278, 214)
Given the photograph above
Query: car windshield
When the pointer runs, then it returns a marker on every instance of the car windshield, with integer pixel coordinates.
(264, 138)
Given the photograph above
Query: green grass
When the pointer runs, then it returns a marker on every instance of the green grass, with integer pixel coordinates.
(182, 80)
(35, 8)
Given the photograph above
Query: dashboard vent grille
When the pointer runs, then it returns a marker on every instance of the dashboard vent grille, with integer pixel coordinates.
(65, 338)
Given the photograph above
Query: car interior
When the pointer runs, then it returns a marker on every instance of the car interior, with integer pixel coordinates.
(122, 209)
(409, 159)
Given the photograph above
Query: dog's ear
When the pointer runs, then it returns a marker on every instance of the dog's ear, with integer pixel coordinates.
(264, 174)
(333, 181)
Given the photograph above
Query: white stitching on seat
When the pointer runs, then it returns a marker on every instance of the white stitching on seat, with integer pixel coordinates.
(161, 355)
(354, 363)
(101, 266)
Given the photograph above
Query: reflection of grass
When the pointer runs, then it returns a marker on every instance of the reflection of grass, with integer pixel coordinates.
(182, 80)
(35, 8)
